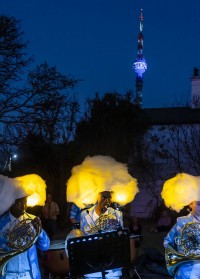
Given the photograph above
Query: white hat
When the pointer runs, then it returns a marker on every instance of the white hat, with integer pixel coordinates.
(9, 192)
(30, 185)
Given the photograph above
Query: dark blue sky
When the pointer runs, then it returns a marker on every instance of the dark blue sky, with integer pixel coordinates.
(96, 40)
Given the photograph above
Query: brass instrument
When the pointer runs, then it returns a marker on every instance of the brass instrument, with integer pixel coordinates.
(23, 235)
(103, 223)
(190, 241)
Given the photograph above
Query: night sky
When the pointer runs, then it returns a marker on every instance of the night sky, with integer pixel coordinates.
(96, 41)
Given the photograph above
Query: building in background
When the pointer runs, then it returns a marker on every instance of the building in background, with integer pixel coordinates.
(172, 145)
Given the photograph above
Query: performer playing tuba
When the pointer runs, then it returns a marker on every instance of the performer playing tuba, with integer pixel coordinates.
(21, 233)
(182, 244)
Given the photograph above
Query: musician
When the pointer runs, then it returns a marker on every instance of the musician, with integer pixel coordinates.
(102, 208)
(190, 186)
(189, 269)
(98, 181)
(25, 264)
(89, 224)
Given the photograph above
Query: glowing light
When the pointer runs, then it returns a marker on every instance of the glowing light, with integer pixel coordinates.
(140, 66)
(181, 190)
(97, 174)
(34, 187)
(33, 200)
(120, 198)
(124, 193)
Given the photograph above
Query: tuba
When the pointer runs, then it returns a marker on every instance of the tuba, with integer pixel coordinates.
(190, 241)
(23, 235)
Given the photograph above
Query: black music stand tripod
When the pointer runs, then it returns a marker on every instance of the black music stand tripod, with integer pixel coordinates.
(98, 253)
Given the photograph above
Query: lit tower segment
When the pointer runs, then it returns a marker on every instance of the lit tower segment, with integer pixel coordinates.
(140, 65)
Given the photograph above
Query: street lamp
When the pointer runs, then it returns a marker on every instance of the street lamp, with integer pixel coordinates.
(8, 163)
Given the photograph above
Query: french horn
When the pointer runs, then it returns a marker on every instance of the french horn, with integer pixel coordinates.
(104, 223)
(22, 236)
(190, 241)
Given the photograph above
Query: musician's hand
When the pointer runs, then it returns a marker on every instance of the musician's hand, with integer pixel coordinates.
(113, 224)
(37, 221)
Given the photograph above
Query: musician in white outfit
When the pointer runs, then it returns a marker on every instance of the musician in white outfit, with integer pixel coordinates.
(184, 236)
(21, 234)
(100, 180)
(89, 218)
(111, 220)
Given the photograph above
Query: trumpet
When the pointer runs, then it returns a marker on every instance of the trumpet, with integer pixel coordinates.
(22, 236)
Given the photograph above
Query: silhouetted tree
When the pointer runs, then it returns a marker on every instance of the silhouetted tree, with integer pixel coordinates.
(169, 149)
(39, 104)
(52, 111)
(13, 61)
(111, 126)
(178, 149)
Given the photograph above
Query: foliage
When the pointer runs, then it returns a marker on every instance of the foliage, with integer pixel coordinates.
(110, 126)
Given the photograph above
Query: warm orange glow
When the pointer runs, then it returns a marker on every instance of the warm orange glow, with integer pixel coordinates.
(97, 174)
(33, 200)
(35, 188)
(181, 190)
(125, 193)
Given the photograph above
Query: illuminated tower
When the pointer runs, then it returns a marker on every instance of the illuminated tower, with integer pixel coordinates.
(140, 65)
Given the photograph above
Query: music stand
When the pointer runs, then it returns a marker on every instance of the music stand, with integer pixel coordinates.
(99, 252)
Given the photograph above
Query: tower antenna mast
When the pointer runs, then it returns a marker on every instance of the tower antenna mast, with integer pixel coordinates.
(140, 65)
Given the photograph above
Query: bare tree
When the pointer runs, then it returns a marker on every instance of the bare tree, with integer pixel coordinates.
(52, 110)
(39, 104)
(186, 146)
(173, 149)
(13, 61)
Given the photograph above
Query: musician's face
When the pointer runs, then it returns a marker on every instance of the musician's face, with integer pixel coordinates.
(19, 207)
(195, 206)
(104, 199)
